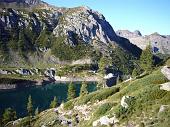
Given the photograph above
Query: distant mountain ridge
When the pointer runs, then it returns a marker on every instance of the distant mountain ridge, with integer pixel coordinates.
(159, 43)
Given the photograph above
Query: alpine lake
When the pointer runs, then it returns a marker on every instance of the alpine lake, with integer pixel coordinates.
(41, 96)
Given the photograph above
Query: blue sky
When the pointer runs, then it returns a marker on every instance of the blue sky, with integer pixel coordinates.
(148, 16)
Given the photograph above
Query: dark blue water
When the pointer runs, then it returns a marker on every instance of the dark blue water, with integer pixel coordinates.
(41, 97)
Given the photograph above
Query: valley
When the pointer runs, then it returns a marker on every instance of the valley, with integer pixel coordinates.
(68, 67)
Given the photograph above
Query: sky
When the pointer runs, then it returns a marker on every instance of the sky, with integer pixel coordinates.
(147, 16)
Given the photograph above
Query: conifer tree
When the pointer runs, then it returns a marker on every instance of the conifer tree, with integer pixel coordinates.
(71, 91)
(83, 90)
(146, 59)
(135, 72)
(9, 115)
(53, 103)
(103, 63)
(29, 106)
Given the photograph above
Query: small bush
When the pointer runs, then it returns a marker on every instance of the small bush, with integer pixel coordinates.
(69, 105)
(98, 95)
(105, 93)
(102, 109)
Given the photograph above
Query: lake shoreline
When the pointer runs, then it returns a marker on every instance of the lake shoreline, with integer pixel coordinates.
(40, 82)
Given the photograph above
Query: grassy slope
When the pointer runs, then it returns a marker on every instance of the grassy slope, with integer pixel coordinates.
(148, 99)
(143, 108)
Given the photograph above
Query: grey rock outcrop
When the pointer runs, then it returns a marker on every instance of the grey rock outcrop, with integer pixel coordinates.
(86, 24)
(128, 34)
(159, 43)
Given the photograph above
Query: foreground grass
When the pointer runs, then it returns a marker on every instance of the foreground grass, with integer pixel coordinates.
(143, 109)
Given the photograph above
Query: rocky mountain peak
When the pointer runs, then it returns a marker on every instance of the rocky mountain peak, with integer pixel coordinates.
(127, 33)
(159, 43)
(87, 24)
(137, 32)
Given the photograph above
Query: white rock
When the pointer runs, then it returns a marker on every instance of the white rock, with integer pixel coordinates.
(110, 75)
(104, 120)
(162, 108)
(165, 86)
(123, 101)
(166, 72)
(4, 72)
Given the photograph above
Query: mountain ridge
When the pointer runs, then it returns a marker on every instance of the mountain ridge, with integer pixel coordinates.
(44, 30)
(159, 43)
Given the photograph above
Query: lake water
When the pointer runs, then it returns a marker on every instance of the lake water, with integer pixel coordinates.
(41, 96)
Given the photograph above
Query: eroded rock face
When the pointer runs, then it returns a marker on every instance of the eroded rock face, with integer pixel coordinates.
(86, 24)
(159, 43)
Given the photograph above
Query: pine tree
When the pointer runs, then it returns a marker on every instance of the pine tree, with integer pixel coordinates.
(29, 106)
(83, 90)
(9, 115)
(135, 72)
(103, 63)
(53, 103)
(146, 59)
(71, 91)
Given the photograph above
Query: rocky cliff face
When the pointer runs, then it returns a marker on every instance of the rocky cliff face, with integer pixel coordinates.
(159, 43)
(89, 25)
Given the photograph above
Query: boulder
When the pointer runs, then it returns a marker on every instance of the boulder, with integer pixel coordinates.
(165, 86)
(124, 101)
(4, 72)
(162, 108)
(166, 72)
(105, 120)
(50, 72)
